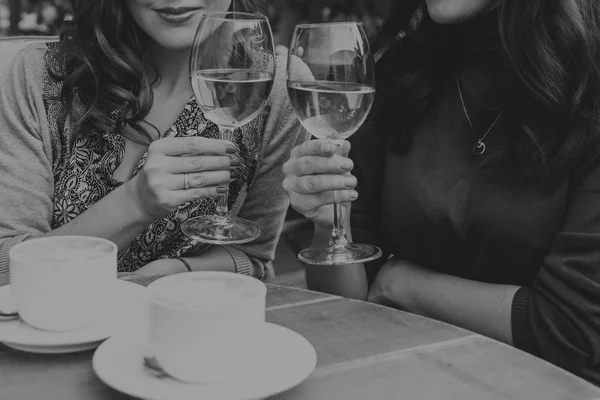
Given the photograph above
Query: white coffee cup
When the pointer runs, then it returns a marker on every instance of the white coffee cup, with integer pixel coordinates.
(204, 325)
(61, 283)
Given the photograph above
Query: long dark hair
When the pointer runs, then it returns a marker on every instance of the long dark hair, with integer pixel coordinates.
(107, 83)
(553, 50)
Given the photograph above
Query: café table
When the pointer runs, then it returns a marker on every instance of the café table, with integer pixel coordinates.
(364, 351)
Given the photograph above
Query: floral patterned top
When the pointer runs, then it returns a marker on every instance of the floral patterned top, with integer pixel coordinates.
(80, 168)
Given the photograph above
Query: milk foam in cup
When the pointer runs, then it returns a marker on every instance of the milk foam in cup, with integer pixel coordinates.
(203, 324)
(61, 283)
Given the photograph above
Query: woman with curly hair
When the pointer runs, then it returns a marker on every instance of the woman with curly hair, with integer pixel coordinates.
(94, 127)
(478, 174)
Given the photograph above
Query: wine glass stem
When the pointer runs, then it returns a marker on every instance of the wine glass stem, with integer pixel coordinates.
(222, 212)
(339, 239)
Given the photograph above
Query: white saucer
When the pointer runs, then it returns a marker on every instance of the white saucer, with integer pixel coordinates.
(283, 359)
(126, 312)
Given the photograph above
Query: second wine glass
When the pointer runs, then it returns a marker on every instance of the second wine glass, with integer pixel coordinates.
(232, 67)
(331, 84)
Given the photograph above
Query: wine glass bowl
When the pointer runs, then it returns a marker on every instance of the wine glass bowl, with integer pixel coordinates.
(331, 85)
(232, 68)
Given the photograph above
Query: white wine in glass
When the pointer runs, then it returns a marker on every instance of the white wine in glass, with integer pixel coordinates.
(331, 84)
(232, 67)
(232, 97)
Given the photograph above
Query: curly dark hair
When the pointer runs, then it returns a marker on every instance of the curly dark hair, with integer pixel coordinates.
(107, 83)
(551, 47)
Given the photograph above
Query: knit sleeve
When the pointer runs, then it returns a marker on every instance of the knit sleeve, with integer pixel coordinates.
(266, 203)
(26, 179)
(558, 317)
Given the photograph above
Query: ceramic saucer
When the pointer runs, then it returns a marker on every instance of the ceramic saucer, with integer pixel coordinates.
(125, 312)
(282, 359)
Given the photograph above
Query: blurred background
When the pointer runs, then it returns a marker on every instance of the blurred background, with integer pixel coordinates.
(45, 17)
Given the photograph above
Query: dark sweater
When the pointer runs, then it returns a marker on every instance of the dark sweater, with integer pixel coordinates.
(437, 205)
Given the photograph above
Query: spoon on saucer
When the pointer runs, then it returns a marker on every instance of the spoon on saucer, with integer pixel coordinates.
(8, 310)
(154, 369)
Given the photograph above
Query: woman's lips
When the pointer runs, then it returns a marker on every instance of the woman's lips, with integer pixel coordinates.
(177, 15)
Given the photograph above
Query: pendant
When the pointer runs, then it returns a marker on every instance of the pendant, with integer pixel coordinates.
(480, 148)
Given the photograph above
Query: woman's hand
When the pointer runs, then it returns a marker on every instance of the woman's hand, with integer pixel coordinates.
(160, 187)
(315, 169)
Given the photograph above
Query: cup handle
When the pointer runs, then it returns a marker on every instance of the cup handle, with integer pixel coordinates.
(7, 308)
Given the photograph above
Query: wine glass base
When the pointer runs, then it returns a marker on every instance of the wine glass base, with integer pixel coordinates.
(208, 229)
(352, 253)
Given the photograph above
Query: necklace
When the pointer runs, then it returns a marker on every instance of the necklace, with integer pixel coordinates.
(480, 147)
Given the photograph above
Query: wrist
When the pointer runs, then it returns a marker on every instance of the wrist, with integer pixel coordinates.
(134, 204)
(186, 264)
(174, 266)
(162, 267)
(405, 288)
(394, 285)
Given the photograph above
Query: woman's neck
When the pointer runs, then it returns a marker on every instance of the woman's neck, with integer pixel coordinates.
(173, 67)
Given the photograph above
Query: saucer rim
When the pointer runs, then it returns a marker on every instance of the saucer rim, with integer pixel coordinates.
(66, 349)
(274, 389)
(97, 332)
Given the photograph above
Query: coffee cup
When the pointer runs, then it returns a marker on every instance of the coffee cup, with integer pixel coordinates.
(203, 325)
(61, 283)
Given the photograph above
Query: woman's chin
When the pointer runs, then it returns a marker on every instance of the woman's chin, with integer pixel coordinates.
(447, 13)
(174, 43)
(444, 17)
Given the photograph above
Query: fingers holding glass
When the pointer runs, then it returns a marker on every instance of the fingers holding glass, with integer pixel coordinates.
(314, 196)
(309, 205)
(323, 148)
(195, 180)
(185, 146)
(232, 68)
(331, 85)
(179, 165)
(316, 184)
(197, 166)
(311, 165)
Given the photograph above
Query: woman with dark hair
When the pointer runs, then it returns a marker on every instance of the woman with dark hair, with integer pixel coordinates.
(93, 133)
(479, 175)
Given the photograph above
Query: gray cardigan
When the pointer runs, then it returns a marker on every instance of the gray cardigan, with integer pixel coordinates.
(29, 150)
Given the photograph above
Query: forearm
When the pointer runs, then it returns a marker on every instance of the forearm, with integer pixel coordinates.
(216, 258)
(476, 306)
(348, 281)
(116, 217)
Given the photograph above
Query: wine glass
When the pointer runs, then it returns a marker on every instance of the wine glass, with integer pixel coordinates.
(331, 84)
(232, 66)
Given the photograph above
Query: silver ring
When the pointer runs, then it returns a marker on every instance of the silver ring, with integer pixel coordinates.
(186, 181)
